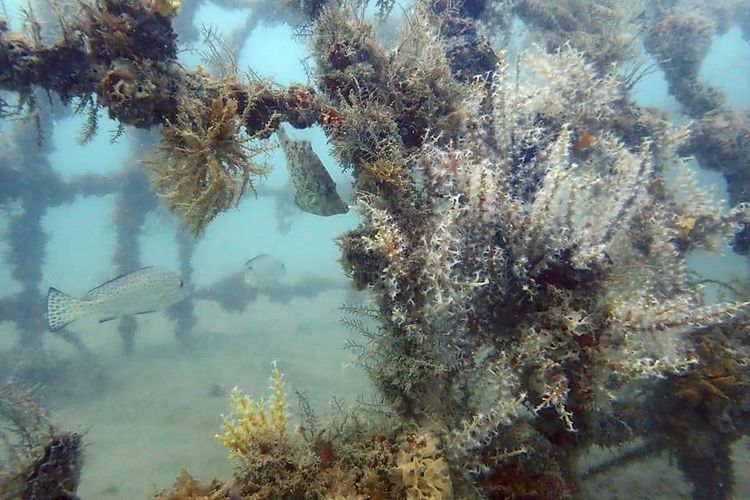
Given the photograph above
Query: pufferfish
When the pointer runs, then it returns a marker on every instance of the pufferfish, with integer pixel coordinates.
(314, 190)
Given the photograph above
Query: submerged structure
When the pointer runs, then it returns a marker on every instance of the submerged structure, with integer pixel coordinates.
(37, 460)
(523, 237)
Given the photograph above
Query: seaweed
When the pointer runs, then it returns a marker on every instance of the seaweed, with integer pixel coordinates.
(39, 461)
(203, 164)
(524, 253)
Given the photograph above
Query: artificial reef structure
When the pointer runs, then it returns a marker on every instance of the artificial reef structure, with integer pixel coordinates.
(37, 460)
(524, 232)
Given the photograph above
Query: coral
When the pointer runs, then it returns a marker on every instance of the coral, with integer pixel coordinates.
(138, 92)
(251, 422)
(345, 459)
(274, 463)
(203, 164)
(556, 274)
(381, 174)
(423, 87)
(363, 132)
(467, 51)
(166, 8)
(40, 461)
(56, 471)
(520, 240)
(720, 141)
(381, 106)
(682, 39)
(357, 461)
(186, 487)
(420, 469)
(124, 52)
(349, 58)
(128, 29)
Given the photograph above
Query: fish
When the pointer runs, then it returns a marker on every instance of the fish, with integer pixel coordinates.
(234, 291)
(146, 290)
(263, 271)
(314, 189)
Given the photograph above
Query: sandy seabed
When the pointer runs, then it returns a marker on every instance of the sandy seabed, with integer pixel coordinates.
(160, 407)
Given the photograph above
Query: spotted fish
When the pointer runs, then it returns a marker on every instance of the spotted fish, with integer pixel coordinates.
(314, 190)
(146, 290)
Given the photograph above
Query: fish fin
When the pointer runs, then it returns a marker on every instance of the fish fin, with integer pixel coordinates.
(62, 309)
(113, 279)
(146, 312)
(249, 263)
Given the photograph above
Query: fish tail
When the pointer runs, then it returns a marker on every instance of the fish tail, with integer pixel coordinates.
(62, 309)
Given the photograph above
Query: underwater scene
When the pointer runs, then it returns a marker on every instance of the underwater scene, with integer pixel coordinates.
(374, 249)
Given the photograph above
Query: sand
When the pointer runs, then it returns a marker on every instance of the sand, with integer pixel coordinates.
(161, 409)
(158, 410)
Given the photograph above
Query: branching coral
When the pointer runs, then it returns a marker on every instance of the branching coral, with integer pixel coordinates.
(274, 462)
(251, 421)
(204, 164)
(381, 106)
(347, 460)
(518, 277)
(525, 254)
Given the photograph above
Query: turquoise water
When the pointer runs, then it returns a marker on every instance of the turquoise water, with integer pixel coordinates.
(157, 409)
(160, 407)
